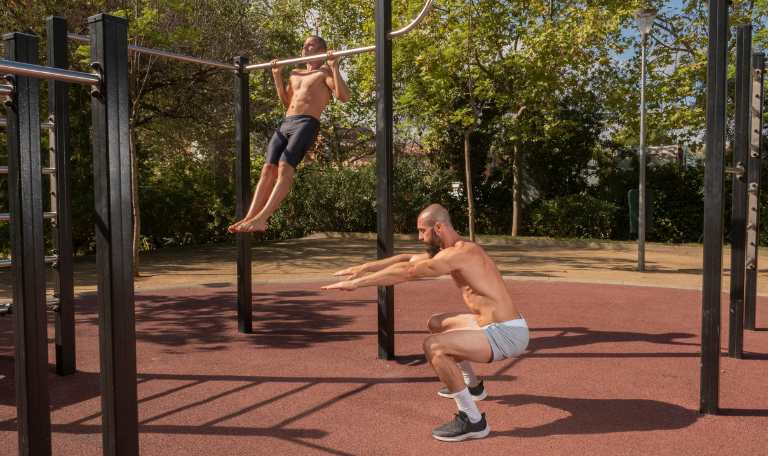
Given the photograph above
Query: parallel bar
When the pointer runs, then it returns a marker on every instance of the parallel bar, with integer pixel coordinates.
(753, 182)
(422, 14)
(243, 192)
(27, 249)
(4, 170)
(6, 216)
(164, 54)
(51, 305)
(114, 237)
(7, 263)
(717, 64)
(384, 173)
(44, 72)
(58, 109)
(44, 125)
(739, 191)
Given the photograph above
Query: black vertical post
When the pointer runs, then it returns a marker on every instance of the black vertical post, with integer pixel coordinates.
(58, 110)
(384, 173)
(26, 206)
(717, 62)
(243, 191)
(114, 236)
(753, 186)
(739, 190)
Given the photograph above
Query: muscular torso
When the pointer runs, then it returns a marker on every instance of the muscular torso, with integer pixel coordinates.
(310, 92)
(483, 288)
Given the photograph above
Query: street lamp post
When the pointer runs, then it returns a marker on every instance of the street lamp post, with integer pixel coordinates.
(644, 19)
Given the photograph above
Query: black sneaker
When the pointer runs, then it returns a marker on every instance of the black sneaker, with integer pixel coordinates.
(462, 429)
(478, 392)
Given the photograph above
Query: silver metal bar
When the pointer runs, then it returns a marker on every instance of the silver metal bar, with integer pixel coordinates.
(311, 58)
(5, 216)
(4, 170)
(424, 11)
(44, 125)
(49, 259)
(44, 72)
(164, 54)
(6, 89)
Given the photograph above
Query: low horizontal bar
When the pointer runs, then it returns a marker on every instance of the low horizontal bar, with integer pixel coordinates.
(164, 54)
(44, 72)
(44, 125)
(737, 170)
(5, 216)
(311, 58)
(52, 304)
(4, 170)
(49, 259)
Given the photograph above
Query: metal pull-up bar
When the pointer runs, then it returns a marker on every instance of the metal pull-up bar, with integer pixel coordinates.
(311, 58)
(164, 54)
(44, 72)
(228, 66)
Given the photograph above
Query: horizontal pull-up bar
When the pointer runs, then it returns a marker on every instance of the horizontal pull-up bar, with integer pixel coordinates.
(311, 58)
(164, 54)
(44, 72)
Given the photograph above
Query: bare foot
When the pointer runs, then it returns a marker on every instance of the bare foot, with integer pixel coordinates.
(252, 226)
(233, 227)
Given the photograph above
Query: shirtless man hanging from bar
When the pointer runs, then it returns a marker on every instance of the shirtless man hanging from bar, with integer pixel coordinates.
(307, 94)
(493, 329)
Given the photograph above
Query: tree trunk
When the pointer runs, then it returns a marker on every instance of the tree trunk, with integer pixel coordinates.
(468, 173)
(516, 194)
(135, 202)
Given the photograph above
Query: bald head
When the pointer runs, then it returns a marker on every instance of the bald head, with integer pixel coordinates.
(435, 213)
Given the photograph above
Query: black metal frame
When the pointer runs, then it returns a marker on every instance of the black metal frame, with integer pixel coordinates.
(243, 195)
(754, 169)
(717, 62)
(114, 235)
(25, 194)
(58, 111)
(739, 190)
(384, 173)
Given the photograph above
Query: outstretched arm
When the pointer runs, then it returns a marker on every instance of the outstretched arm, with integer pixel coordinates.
(372, 266)
(443, 263)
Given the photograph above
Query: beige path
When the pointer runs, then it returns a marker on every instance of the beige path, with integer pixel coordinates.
(315, 257)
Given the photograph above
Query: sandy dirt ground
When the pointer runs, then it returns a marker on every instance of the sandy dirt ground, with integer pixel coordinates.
(316, 257)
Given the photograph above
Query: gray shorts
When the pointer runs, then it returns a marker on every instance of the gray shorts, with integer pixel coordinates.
(508, 338)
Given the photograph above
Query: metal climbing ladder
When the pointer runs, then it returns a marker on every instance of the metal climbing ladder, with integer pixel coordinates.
(61, 300)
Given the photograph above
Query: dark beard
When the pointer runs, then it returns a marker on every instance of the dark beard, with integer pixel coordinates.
(433, 250)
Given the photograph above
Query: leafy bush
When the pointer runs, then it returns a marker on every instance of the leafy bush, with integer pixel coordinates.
(572, 216)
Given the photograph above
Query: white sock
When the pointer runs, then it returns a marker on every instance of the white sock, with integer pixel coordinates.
(466, 404)
(468, 373)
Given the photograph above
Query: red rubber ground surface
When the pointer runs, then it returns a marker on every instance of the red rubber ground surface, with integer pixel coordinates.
(611, 370)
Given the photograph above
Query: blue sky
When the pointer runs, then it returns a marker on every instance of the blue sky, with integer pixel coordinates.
(670, 7)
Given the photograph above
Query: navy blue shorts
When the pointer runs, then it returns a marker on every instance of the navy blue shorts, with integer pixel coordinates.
(292, 140)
